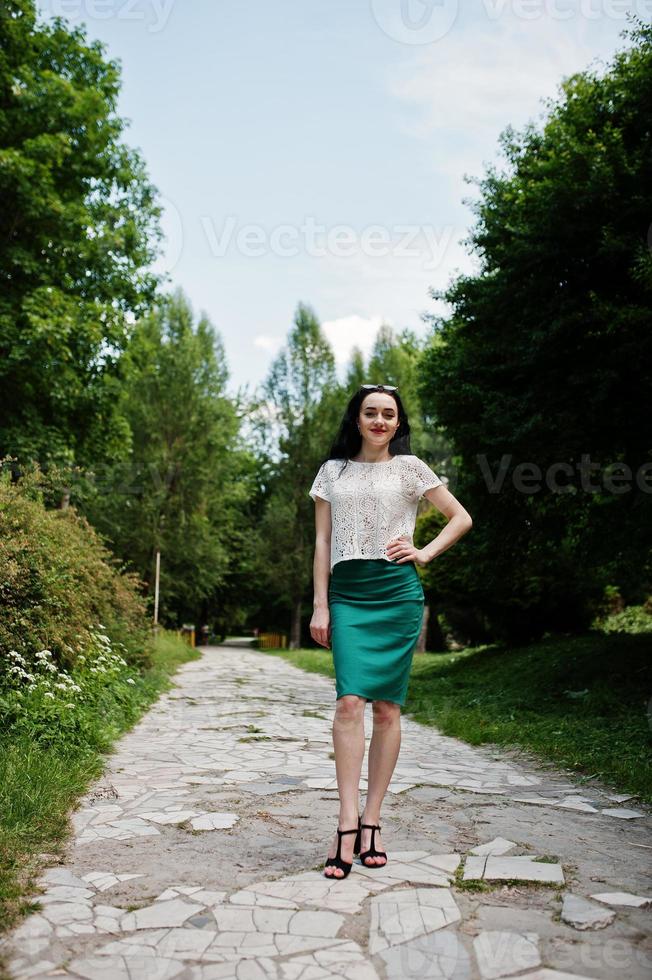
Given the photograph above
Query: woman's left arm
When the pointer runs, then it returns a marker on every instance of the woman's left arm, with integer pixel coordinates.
(459, 522)
(401, 550)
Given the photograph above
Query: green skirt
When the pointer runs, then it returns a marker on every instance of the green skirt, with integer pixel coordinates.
(376, 611)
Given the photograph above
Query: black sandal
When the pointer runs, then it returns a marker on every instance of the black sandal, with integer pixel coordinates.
(372, 852)
(337, 861)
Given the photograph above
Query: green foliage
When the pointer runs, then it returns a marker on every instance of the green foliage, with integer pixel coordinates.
(78, 227)
(46, 703)
(546, 359)
(185, 487)
(632, 619)
(58, 579)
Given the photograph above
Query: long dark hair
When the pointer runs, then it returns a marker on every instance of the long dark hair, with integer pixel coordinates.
(348, 440)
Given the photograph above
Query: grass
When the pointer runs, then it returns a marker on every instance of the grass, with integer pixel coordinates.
(582, 702)
(40, 783)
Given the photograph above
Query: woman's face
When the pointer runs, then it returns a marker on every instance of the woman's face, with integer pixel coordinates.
(378, 419)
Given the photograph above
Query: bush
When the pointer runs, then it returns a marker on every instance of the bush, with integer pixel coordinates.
(59, 582)
(632, 619)
(50, 705)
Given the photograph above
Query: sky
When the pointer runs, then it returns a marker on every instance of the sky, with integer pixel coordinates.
(316, 152)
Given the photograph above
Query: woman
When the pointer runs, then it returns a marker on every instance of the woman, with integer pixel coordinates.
(368, 598)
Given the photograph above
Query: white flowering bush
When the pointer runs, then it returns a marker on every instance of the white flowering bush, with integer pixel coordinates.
(57, 577)
(46, 701)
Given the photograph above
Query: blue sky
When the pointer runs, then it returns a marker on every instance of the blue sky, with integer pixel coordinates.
(316, 151)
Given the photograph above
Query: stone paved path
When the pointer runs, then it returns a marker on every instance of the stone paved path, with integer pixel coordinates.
(199, 854)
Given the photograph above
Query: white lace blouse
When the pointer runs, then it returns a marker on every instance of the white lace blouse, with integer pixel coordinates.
(371, 503)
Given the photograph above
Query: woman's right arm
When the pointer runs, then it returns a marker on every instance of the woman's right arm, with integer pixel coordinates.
(320, 622)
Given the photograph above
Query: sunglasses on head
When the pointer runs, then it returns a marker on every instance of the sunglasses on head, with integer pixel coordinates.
(380, 387)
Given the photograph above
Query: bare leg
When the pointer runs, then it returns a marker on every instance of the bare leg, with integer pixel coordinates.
(383, 753)
(349, 745)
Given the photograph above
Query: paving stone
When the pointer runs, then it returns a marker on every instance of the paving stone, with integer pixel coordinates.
(64, 913)
(548, 974)
(179, 890)
(474, 867)
(537, 800)
(103, 880)
(624, 899)
(408, 914)
(214, 821)
(436, 956)
(499, 845)
(415, 872)
(199, 921)
(498, 868)
(63, 876)
(582, 914)
(511, 918)
(311, 889)
(118, 968)
(170, 913)
(66, 893)
(622, 813)
(343, 959)
(166, 817)
(269, 789)
(41, 968)
(501, 954)
(205, 895)
(33, 927)
(446, 862)
(571, 804)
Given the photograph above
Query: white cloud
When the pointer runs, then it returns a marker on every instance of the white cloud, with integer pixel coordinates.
(352, 331)
(270, 344)
(489, 73)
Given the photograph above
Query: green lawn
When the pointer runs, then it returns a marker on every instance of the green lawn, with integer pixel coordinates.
(40, 783)
(581, 702)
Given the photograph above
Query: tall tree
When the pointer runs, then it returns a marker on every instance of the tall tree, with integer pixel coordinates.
(305, 404)
(78, 227)
(185, 486)
(546, 359)
(394, 359)
(356, 373)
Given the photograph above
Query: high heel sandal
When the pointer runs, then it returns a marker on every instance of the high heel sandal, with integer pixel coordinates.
(371, 852)
(337, 861)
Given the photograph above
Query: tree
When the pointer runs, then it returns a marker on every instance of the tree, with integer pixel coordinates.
(185, 485)
(78, 227)
(356, 373)
(304, 403)
(547, 357)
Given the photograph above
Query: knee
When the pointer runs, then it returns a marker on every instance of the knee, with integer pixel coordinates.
(349, 707)
(385, 712)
